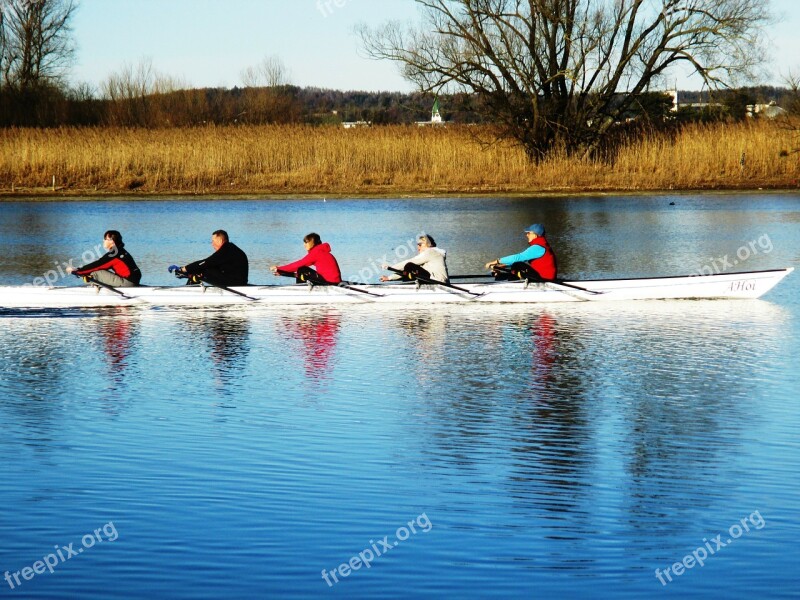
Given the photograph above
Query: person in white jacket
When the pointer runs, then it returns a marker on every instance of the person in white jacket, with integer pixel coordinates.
(432, 259)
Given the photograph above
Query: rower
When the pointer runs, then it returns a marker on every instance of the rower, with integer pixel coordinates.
(115, 268)
(318, 255)
(226, 266)
(429, 263)
(536, 263)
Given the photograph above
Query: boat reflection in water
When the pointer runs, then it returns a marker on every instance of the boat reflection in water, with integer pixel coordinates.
(587, 385)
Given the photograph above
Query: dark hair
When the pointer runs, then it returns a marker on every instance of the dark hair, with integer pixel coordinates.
(313, 237)
(428, 239)
(221, 233)
(115, 236)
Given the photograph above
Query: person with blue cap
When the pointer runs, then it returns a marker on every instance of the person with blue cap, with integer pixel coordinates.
(536, 262)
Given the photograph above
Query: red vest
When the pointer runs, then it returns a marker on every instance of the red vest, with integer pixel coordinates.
(545, 265)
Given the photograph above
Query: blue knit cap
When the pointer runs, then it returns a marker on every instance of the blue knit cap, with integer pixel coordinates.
(536, 228)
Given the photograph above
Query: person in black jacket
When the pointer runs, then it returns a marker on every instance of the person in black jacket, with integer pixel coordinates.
(116, 267)
(227, 266)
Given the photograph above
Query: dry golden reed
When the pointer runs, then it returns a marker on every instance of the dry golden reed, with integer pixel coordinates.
(379, 161)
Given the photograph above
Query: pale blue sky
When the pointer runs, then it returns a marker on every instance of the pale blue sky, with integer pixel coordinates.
(210, 42)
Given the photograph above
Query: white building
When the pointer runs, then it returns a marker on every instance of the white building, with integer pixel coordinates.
(767, 111)
(354, 124)
(436, 118)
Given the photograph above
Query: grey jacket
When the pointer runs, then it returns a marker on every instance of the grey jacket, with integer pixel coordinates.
(433, 260)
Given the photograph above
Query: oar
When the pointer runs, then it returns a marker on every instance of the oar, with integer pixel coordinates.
(434, 282)
(355, 289)
(181, 275)
(110, 288)
(555, 282)
(227, 289)
(342, 284)
(575, 287)
(470, 276)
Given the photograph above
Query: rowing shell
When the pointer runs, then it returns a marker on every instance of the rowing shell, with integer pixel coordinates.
(728, 285)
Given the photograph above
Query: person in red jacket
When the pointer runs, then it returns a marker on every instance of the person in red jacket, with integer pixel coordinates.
(319, 256)
(537, 261)
(116, 267)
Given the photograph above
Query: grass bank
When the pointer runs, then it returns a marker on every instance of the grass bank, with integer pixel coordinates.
(398, 160)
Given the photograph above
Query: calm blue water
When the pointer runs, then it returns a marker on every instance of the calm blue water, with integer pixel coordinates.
(548, 451)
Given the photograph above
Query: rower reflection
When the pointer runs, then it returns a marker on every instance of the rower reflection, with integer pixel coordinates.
(426, 332)
(117, 333)
(317, 335)
(228, 340)
(552, 447)
(543, 334)
(229, 343)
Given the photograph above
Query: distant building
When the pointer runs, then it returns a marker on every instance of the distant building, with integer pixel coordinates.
(674, 95)
(436, 118)
(767, 111)
(354, 124)
(690, 105)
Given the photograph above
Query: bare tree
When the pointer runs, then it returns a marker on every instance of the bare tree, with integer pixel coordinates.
(35, 43)
(792, 106)
(267, 97)
(559, 73)
(792, 81)
(3, 51)
(141, 95)
(270, 72)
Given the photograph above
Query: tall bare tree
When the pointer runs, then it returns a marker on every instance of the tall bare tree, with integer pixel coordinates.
(560, 73)
(5, 54)
(2, 42)
(792, 106)
(139, 95)
(266, 97)
(792, 81)
(35, 42)
(270, 72)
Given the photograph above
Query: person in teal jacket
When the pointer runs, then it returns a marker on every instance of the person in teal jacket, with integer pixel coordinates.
(538, 256)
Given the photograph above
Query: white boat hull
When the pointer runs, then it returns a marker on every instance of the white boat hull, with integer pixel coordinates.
(731, 285)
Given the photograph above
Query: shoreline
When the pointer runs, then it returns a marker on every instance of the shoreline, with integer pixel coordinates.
(48, 195)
